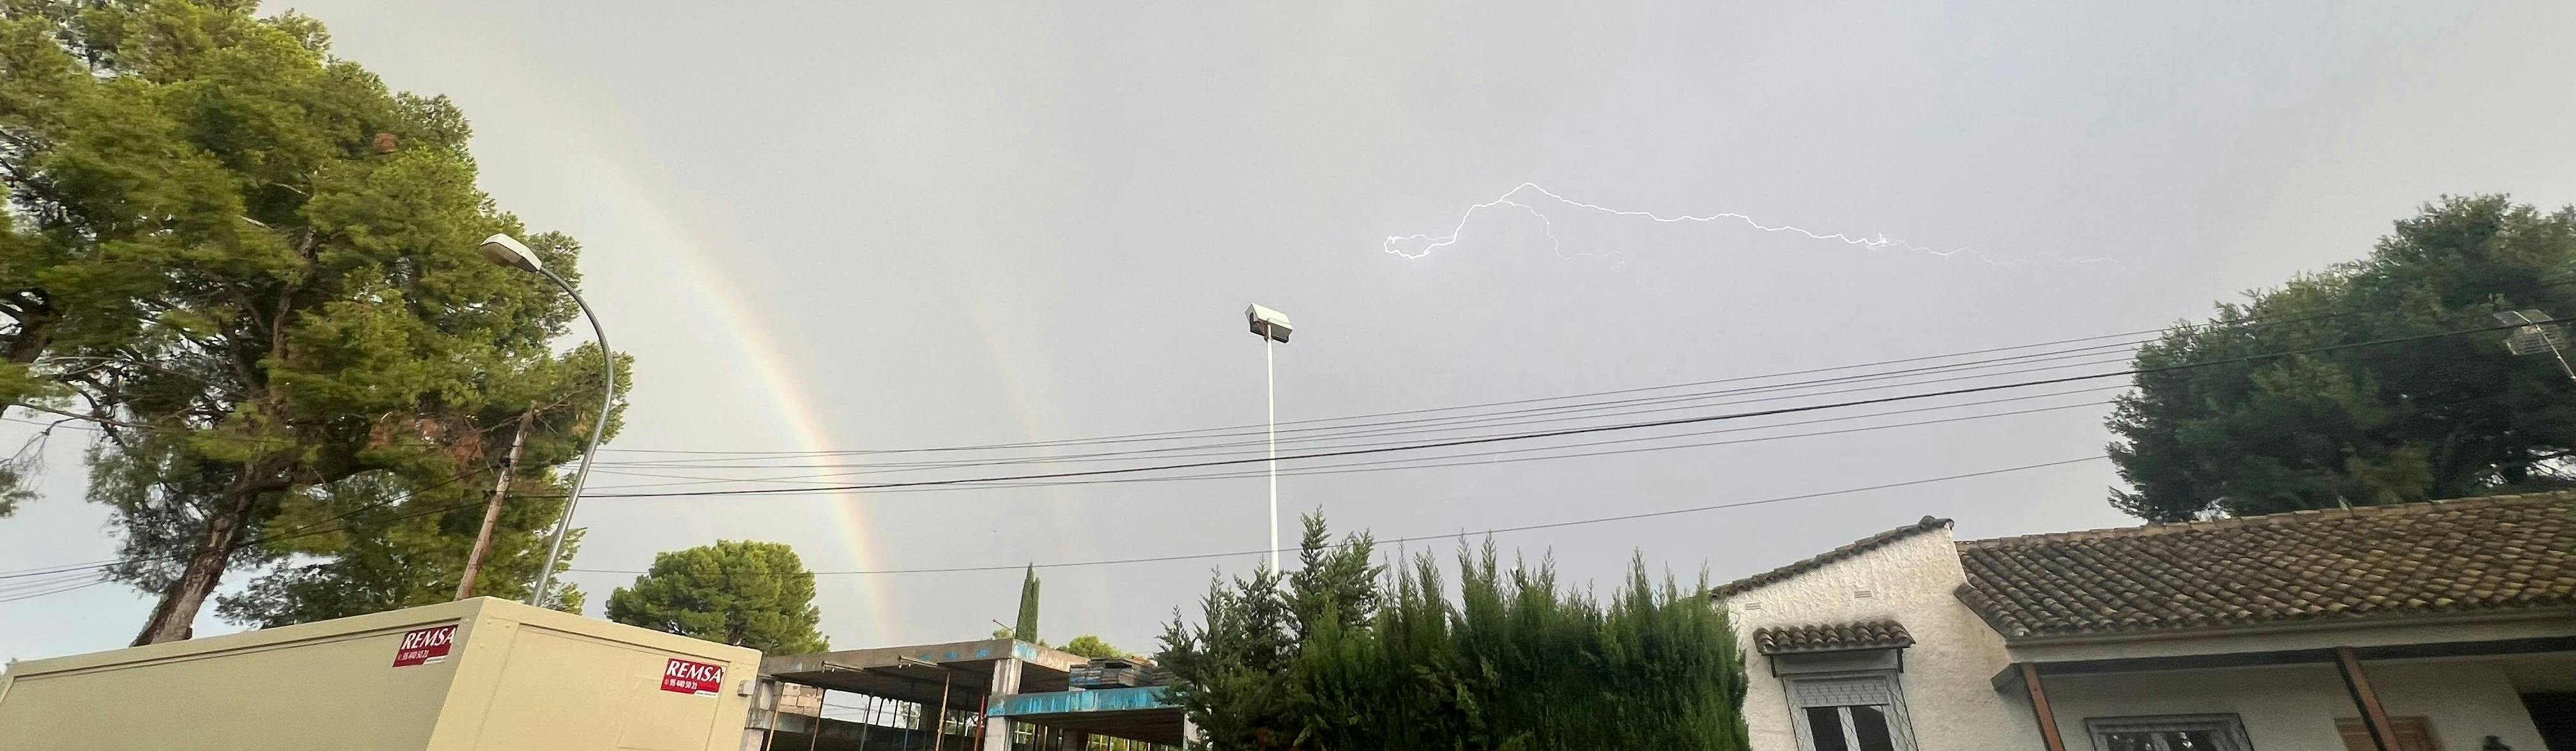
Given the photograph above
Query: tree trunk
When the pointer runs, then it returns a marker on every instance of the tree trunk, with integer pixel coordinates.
(180, 603)
(32, 339)
(36, 319)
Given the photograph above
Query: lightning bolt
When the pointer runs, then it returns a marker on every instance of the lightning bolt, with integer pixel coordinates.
(1529, 197)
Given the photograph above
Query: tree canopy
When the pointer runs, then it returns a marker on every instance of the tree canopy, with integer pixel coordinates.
(2441, 417)
(253, 268)
(748, 594)
(1340, 656)
(1093, 647)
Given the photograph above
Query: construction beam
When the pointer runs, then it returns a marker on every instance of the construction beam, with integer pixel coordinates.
(2039, 709)
(2383, 734)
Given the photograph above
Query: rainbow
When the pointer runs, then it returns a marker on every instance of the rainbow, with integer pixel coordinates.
(796, 408)
(572, 156)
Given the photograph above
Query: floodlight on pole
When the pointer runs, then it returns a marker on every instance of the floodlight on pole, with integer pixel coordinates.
(1273, 328)
(2538, 333)
(507, 251)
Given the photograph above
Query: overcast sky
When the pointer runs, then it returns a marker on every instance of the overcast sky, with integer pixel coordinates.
(876, 225)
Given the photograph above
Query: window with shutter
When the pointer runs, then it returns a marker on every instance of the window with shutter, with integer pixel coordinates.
(1850, 713)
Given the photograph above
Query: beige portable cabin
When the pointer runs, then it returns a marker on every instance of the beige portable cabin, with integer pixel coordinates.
(475, 674)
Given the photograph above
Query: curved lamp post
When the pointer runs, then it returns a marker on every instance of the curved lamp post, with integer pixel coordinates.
(508, 251)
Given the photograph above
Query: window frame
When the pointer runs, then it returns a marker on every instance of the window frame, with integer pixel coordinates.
(2228, 728)
(1900, 721)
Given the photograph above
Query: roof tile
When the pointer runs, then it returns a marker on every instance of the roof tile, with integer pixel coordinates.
(1863, 545)
(1831, 637)
(2400, 559)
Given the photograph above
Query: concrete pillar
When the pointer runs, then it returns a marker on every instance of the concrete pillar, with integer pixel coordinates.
(1006, 681)
(764, 715)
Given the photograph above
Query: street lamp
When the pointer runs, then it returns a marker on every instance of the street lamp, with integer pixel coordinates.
(508, 251)
(1273, 328)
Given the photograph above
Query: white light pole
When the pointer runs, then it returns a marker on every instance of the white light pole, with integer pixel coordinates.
(508, 251)
(1273, 328)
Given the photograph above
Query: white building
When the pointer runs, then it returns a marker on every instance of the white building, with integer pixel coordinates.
(2446, 626)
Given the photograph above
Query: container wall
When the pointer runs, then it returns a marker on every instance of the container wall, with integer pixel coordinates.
(326, 686)
(465, 676)
(537, 679)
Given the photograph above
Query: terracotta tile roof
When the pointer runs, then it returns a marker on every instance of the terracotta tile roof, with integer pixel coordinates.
(1863, 545)
(2498, 553)
(1831, 637)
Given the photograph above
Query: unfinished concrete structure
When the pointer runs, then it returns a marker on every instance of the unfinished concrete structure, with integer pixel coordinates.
(989, 695)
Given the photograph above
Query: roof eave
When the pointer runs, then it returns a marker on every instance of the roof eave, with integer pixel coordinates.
(2498, 615)
(1756, 582)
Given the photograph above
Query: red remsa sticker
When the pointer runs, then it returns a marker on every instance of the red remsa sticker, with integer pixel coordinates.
(688, 677)
(424, 646)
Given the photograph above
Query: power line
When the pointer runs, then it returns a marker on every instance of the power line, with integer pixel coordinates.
(50, 580)
(1656, 410)
(1472, 441)
(994, 481)
(307, 530)
(1356, 467)
(1348, 430)
(1198, 432)
(1465, 422)
(1437, 461)
(101, 579)
(1424, 538)
(1593, 429)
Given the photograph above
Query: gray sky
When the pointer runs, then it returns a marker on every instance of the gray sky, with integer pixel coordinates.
(829, 226)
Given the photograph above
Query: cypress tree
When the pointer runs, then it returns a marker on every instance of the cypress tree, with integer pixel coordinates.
(1027, 630)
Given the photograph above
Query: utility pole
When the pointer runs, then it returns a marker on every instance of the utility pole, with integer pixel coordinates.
(1273, 327)
(492, 510)
(1270, 384)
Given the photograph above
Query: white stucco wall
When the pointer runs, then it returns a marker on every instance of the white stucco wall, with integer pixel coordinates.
(2293, 708)
(1953, 706)
(1947, 694)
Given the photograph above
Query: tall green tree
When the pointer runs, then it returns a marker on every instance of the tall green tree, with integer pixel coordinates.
(1341, 657)
(253, 268)
(2443, 417)
(747, 594)
(1026, 628)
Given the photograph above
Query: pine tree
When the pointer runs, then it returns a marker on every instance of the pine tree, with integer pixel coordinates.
(253, 268)
(747, 594)
(2442, 417)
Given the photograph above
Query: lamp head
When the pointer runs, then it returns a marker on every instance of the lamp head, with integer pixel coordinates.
(1270, 324)
(507, 251)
